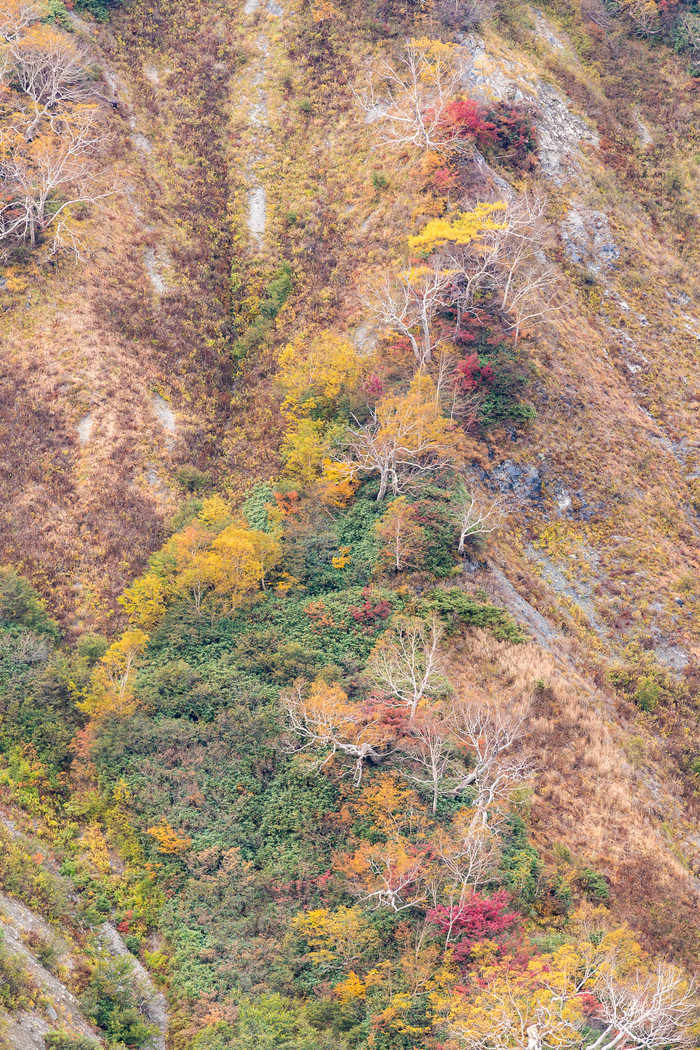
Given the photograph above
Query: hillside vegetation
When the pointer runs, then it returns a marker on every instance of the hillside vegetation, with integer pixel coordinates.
(349, 547)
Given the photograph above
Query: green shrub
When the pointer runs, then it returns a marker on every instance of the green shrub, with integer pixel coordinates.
(647, 694)
(457, 608)
(23, 878)
(194, 481)
(17, 990)
(110, 1003)
(99, 9)
(45, 949)
(503, 402)
(255, 505)
(67, 1041)
(521, 864)
(21, 605)
(593, 885)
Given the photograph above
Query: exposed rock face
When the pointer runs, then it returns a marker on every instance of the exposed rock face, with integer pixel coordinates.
(26, 1030)
(588, 240)
(561, 133)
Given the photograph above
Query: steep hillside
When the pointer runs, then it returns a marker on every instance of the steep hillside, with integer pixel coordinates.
(349, 608)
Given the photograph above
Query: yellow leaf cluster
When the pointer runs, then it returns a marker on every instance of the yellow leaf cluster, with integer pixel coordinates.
(97, 849)
(304, 449)
(168, 840)
(211, 561)
(343, 934)
(342, 559)
(111, 685)
(144, 602)
(314, 372)
(465, 229)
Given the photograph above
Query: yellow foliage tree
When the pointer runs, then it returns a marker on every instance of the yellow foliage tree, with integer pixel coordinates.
(97, 849)
(211, 561)
(316, 372)
(239, 563)
(144, 601)
(304, 450)
(464, 229)
(168, 840)
(111, 686)
(408, 437)
(215, 513)
(343, 936)
(338, 484)
(266, 553)
(403, 540)
(543, 1003)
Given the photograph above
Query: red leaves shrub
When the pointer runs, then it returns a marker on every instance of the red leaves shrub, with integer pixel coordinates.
(470, 374)
(478, 919)
(506, 127)
(515, 131)
(466, 119)
(368, 614)
(287, 503)
(374, 387)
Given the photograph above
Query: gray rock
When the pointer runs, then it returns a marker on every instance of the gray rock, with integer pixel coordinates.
(588, 241)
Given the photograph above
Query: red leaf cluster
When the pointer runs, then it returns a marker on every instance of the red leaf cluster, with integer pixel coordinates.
(478, 919)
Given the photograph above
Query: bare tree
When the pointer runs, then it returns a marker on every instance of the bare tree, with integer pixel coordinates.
(508, 264)
(26, 648)
(490, 735)
(467, 853)
(408, 98)
(429, 746)
(637, 1011)
(47, 67)
(408, 664)
(525, 280)
(18, 15)
(644, 15)
(474, 516)
(395, 876)
(466, 14)
(40, 181)
(645, 1012)
(409, 302)
(689, 25)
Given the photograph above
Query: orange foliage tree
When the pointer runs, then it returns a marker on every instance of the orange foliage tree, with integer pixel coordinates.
(406, 439)
(403, 540)
(212, 561)
(327, 722)
(168, 840)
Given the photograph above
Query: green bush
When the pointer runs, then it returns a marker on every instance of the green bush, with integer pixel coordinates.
(647, 694)
(67, 1041)
(110, 1003)
(458, 609)
(21, 605)
(503, 403)
(23, 878)
(17, 990)
(99, 9)
(521, 864)
(258, 498)
(593, 885)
